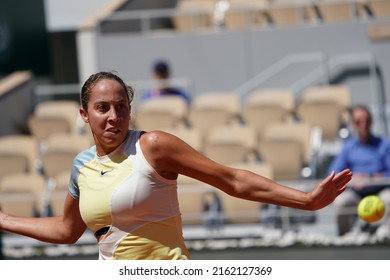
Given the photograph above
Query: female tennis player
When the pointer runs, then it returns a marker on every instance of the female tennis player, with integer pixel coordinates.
(124, 187)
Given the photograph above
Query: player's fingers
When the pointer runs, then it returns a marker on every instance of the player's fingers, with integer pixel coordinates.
(328, 179)
(340, 190)
(345, 172)
(343, 181)
(343, 177)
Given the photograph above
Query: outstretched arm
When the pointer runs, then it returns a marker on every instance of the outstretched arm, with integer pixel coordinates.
(65, 229)
(169, 156)
(252, 186)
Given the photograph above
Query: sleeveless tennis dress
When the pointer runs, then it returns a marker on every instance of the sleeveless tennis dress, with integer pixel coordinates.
(124, 195)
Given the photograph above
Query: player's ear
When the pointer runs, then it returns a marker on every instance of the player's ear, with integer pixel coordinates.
(84, 115)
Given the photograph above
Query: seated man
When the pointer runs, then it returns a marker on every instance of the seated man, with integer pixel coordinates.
(161, 73)
(368, 157)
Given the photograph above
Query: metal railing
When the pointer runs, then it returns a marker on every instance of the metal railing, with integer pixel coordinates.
(276, 68)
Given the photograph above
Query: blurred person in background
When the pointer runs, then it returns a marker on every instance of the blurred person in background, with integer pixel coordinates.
(368, 157)
(161, 73)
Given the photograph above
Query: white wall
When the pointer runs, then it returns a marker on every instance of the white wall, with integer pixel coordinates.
(68, 15)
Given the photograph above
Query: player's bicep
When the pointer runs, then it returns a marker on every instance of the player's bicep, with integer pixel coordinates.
(169, 153)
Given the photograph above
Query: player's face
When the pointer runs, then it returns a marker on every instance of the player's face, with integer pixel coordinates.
(108, 115)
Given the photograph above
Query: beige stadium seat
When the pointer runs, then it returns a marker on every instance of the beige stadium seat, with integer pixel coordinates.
(281, 96)
(239, 211)
(244, 14)
(59, 191)
(18, 153)
(379, 8)
(336, 11)
(194, 15)
(52, 117)
(214, 108)
(325, 115)
(191, 135)
(161, 112)
(261, 115)
(266, 106)
(287, 148)
(22, 194)
(61, 150)
(298, 130)
(229, 144)
(285, 156)
(190, 202)
(42, 127)
(287, 13)
(332, 101)
(338, 93)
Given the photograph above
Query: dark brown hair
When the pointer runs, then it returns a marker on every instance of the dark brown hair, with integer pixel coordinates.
(94, 79)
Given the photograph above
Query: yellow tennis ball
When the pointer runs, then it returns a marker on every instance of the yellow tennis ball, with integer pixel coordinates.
(371, 209)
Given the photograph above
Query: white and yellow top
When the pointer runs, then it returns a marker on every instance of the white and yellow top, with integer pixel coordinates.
(122, 191)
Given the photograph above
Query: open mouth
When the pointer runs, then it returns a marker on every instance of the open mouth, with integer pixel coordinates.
(113, 131)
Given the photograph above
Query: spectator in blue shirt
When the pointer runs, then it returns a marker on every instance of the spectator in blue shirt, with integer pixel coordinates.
(368, 157)
(161, 73)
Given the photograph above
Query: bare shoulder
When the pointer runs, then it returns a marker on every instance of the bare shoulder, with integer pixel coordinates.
(161, 148)
(157, 139)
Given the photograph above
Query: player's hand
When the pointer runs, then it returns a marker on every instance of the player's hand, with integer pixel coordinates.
(328, 189)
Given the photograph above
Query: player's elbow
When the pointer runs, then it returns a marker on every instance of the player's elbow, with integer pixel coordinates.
(70, 236)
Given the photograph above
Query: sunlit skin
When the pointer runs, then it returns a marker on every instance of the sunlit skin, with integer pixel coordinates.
(108, 115)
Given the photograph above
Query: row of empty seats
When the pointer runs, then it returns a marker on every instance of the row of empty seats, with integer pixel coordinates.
(193, 15)
(259, 109)
(31, 179)
(36, 166)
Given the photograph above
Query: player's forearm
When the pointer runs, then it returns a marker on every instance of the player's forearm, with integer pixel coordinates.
(253, 187)
(50, 229)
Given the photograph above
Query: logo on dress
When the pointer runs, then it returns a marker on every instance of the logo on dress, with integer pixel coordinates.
(102, 172)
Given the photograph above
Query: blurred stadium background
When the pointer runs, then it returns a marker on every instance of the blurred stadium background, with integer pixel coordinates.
(338, 49)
